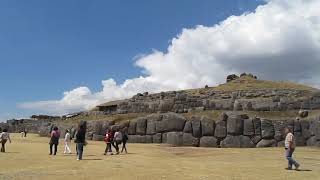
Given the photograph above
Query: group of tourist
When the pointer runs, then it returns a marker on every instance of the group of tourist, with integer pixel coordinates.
(115, 139)
(112, 139)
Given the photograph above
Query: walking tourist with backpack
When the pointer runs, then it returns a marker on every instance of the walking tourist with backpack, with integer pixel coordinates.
(54, 140)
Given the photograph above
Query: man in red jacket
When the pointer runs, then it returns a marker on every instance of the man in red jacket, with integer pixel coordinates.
(108, 139)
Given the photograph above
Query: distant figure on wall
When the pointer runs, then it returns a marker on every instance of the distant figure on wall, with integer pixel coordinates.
(80, 141)
(54, 140)
(67, 141)
(4, 137)
(290, 146)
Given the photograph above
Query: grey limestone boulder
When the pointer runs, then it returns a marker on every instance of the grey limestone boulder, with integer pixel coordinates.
(196, 126)
(267, 143)
(157, 138)
(188, 127)
(189, 140)
(170, 122)
(248, 129)
(208, 141)
(175, 138)
(141, 126)
(235, 125)
(207, 126)
(221, 129)
(267, 129)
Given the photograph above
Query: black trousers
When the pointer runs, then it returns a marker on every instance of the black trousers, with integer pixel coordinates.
(55, 148)
(124, 147)
(3, 145)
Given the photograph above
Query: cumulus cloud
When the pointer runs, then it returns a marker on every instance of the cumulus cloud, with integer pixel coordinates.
(279, 40)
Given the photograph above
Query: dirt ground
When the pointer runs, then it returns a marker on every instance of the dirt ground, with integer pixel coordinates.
(28, 159)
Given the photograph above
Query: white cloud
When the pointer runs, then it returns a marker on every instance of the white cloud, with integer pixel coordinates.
(280, 40)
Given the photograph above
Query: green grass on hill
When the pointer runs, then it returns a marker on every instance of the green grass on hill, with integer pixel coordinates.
(248, 83)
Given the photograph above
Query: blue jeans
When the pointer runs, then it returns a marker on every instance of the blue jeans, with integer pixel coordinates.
(80, 150)
(291, 161)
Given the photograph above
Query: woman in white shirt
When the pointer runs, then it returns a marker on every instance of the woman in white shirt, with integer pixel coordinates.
(67, 141)
(118, 139)
(4, 137)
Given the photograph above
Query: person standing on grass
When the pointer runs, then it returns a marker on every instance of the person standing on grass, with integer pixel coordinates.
(108, 140)
(67, 141)
(125, 138)
(118, 139)
(80, 141)
(290, 146)
(54, 140)
(4, 137)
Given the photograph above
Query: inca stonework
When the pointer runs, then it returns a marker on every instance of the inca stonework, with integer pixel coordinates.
(165, 121)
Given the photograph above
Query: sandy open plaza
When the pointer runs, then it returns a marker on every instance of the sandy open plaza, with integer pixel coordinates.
(28, 159)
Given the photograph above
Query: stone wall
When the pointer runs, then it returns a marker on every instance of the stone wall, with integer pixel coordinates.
(253, 100)
(230, 130)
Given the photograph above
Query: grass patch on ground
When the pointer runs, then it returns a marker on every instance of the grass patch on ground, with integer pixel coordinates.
(28, 159)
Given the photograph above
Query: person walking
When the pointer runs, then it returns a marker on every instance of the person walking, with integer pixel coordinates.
(4, 137)
(290, 146)
(125, 138)
(80, 141)
(67, 141)
(54, 140)
(108, 138)
(118, 139)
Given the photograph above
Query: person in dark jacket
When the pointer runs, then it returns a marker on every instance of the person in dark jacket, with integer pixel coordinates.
(80, 141)
(54, 140)
(125, 138)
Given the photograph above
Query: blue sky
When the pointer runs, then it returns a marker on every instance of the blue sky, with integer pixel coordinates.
(58, 57)
(48, 47)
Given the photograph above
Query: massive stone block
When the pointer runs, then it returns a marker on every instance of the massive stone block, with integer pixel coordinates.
(141, 126)
(237, 142)
(208, 141)
(267, 129)
(221, 129)
(189, 140)
(175, 138)
(235, 125)
(248, 129)
(267, 143)
(136, 139)
(157, 138)
(170, 122)
(196, 126)
(132, 127)
(300, 140)
(166, 105)
(231, 142)
(164, 137)
(305, 129)
(297, 126)
(207, 126)
(257, 125)
(188, 127)
(279, 127)
(313, 142)
(151, 127)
